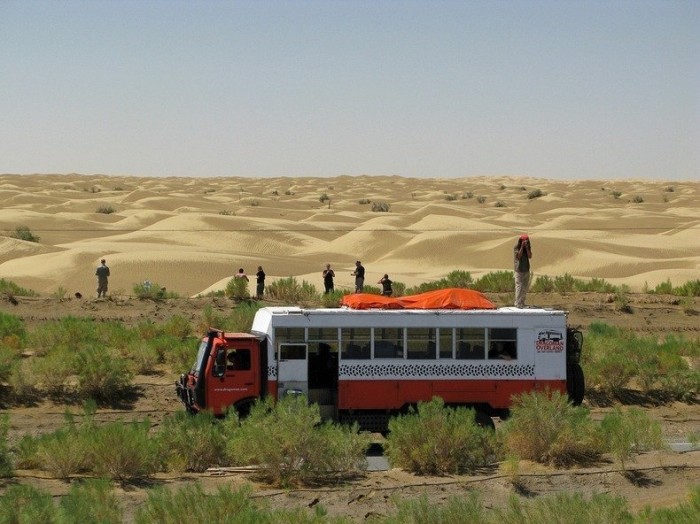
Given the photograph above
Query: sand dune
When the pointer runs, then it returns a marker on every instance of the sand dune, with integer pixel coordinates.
(192, 234)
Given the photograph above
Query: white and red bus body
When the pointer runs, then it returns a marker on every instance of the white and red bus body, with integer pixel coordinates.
(366, 365)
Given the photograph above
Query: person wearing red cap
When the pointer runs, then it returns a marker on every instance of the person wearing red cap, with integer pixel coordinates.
(521, 257)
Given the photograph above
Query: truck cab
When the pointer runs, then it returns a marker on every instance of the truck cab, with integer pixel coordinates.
(227, 373)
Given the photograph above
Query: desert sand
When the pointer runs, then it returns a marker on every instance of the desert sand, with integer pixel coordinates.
(191, 235)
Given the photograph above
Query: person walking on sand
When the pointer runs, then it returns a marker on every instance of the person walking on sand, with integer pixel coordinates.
(386, 285)
(102, 274)
(260, 283)
(359, 275)
(328, 276)
(522, 253)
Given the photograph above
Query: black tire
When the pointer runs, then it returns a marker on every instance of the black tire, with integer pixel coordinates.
(575, 384)
(484, 420)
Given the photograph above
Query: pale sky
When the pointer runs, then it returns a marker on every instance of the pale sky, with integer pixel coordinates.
(554, 89)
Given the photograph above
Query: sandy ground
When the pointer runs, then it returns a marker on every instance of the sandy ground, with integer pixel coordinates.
(659, 479)
(192, 235)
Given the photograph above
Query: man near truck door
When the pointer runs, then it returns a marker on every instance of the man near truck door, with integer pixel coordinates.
(522, 254)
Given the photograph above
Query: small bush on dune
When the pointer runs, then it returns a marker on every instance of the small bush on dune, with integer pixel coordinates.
(496, 282)
(546, 428)
(436, 440)
(178, 326)
(290, 291)
(456, 278)
(237, 288)
(105, 210)
(152, 291)
(10, 288)
(24, 233)
(291, 446)
(381, 207)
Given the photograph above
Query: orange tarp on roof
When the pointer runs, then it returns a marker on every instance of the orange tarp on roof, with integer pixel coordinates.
(453, 298)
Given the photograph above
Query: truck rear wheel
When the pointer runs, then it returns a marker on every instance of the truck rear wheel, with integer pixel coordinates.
(575, 384)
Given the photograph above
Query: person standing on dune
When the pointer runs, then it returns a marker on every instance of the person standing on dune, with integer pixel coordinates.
(102, 274)
(522, 253)
(359, 275)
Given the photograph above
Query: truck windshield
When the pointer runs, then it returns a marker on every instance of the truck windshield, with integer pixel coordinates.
(200, 356)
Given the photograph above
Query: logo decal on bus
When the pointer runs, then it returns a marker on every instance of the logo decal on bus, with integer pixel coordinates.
(549, 341)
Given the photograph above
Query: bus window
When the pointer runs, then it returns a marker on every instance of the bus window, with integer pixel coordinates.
(355, 343)
(471, 343)
(446, 336)
(388, 342)
(503, 343)
(421, 342)
(289, 335)
(292, 351)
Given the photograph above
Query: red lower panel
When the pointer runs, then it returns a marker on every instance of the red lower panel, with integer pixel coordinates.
(394, 394)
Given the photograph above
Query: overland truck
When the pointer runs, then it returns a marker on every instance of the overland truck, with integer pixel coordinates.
(376, 356)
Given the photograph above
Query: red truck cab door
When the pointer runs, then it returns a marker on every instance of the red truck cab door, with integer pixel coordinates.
(234, 374)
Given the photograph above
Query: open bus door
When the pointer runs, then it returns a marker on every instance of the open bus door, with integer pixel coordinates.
(292, 370)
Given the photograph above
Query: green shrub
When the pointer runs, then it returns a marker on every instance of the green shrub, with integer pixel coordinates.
(481, 199)
(291, 446)
(178, 354)
(167, 506)
(451, 197)
(456, 510)
(194, 443)
(24, 233)
(566, 507)
(364, 201)
(682, 513)
(637, 199)
(323, 198)
(178, 326)
(10, 288)
(381, 207)
(496, 282)
(105, 210)
(25, 504)
(535, 193)
(8, 358)
(12, 331)
(288, 290)
(237, 288)
(91, 500)
(102, 375)
(331, 300)
(123, 450)
(5, 461)
(436, 440)
(546, 428)
(50, 373)
(456, 278)
(62, 453)
(631, 431)
(616, 194)
(689, 289)
(152, 291)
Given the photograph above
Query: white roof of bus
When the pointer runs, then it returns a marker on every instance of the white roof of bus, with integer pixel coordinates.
(294, 310)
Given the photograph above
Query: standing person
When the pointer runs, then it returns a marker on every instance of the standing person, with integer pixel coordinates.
(386, 285)
(328, 276)
(522, 254)
(102, 274)
(359, 275)
(260, 281)
(241, 274)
